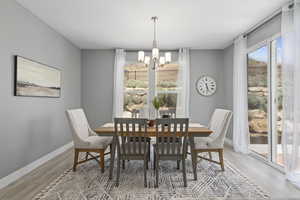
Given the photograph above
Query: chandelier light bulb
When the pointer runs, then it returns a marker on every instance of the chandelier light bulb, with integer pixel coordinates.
(141, 56)
(162, 61)
(168, 57)
(155, 53)
(147, 60)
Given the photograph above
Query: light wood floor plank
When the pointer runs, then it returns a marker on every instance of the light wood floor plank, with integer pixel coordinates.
(269, 178)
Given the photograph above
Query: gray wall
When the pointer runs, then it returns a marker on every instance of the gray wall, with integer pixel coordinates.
(97, 75)
(33, 127)
(97, 85)
(205, 62)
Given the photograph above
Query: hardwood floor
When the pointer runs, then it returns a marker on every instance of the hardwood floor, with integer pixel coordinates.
(267, 177)
(28, 186)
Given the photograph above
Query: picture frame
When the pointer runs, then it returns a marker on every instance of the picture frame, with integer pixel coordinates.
(35, 79)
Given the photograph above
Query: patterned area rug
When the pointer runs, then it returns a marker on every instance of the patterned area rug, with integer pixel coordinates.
(88, 183)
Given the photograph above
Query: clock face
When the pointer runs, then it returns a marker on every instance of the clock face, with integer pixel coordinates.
(206, 86)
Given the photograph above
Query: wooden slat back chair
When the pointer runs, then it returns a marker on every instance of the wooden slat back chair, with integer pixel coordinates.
(135, 113)
(171, 142)
(128, 148)
(171, 113)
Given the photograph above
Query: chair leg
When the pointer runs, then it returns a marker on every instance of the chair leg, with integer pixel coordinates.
(149, 154)
(221, 159)
(209, 155)
(123, 164)
(184, 172)
(154, 161)
(76, 154)
(156, 172)
(118, 170)
(86, 155)
(112, 157)
(145, 170)
(147, 165)
(101, 160)
(110, 150)
(178, 164)
(194, 163)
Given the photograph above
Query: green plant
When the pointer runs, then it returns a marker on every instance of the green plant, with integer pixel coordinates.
(156, 102)
(168, 100)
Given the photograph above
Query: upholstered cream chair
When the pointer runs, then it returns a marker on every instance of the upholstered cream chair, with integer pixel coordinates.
(85, 139)
(219, 124)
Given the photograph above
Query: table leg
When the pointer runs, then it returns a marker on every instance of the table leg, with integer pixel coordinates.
(112, 159)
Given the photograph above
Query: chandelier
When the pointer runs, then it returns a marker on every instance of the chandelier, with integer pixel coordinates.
(157, 60)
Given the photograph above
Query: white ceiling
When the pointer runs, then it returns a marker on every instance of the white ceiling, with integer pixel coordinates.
(198, 24)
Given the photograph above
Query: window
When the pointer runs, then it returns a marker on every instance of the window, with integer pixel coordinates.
(136, 87)
(141, 84)
(167, 85)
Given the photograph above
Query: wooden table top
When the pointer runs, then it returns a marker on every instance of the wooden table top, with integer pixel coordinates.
(195, 129)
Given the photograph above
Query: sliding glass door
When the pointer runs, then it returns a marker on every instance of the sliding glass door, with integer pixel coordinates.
(265, 100)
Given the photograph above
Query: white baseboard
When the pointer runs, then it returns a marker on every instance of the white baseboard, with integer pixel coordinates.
(228, 142)
(28, 168)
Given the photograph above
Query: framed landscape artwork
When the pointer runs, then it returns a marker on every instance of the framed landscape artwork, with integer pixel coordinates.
(35, 79)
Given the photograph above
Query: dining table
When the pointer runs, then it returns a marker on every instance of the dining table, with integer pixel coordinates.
(107, 129)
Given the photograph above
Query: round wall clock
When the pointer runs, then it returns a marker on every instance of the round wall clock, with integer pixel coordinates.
(206, 86)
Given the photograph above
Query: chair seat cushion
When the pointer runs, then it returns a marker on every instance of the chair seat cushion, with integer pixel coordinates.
(97, 142)
(203, 143)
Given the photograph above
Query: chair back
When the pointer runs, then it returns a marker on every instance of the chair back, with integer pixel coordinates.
(219, 124)
(131, 136)
(170, 112)
(171, 136)
(135, 113)
(79, 124)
